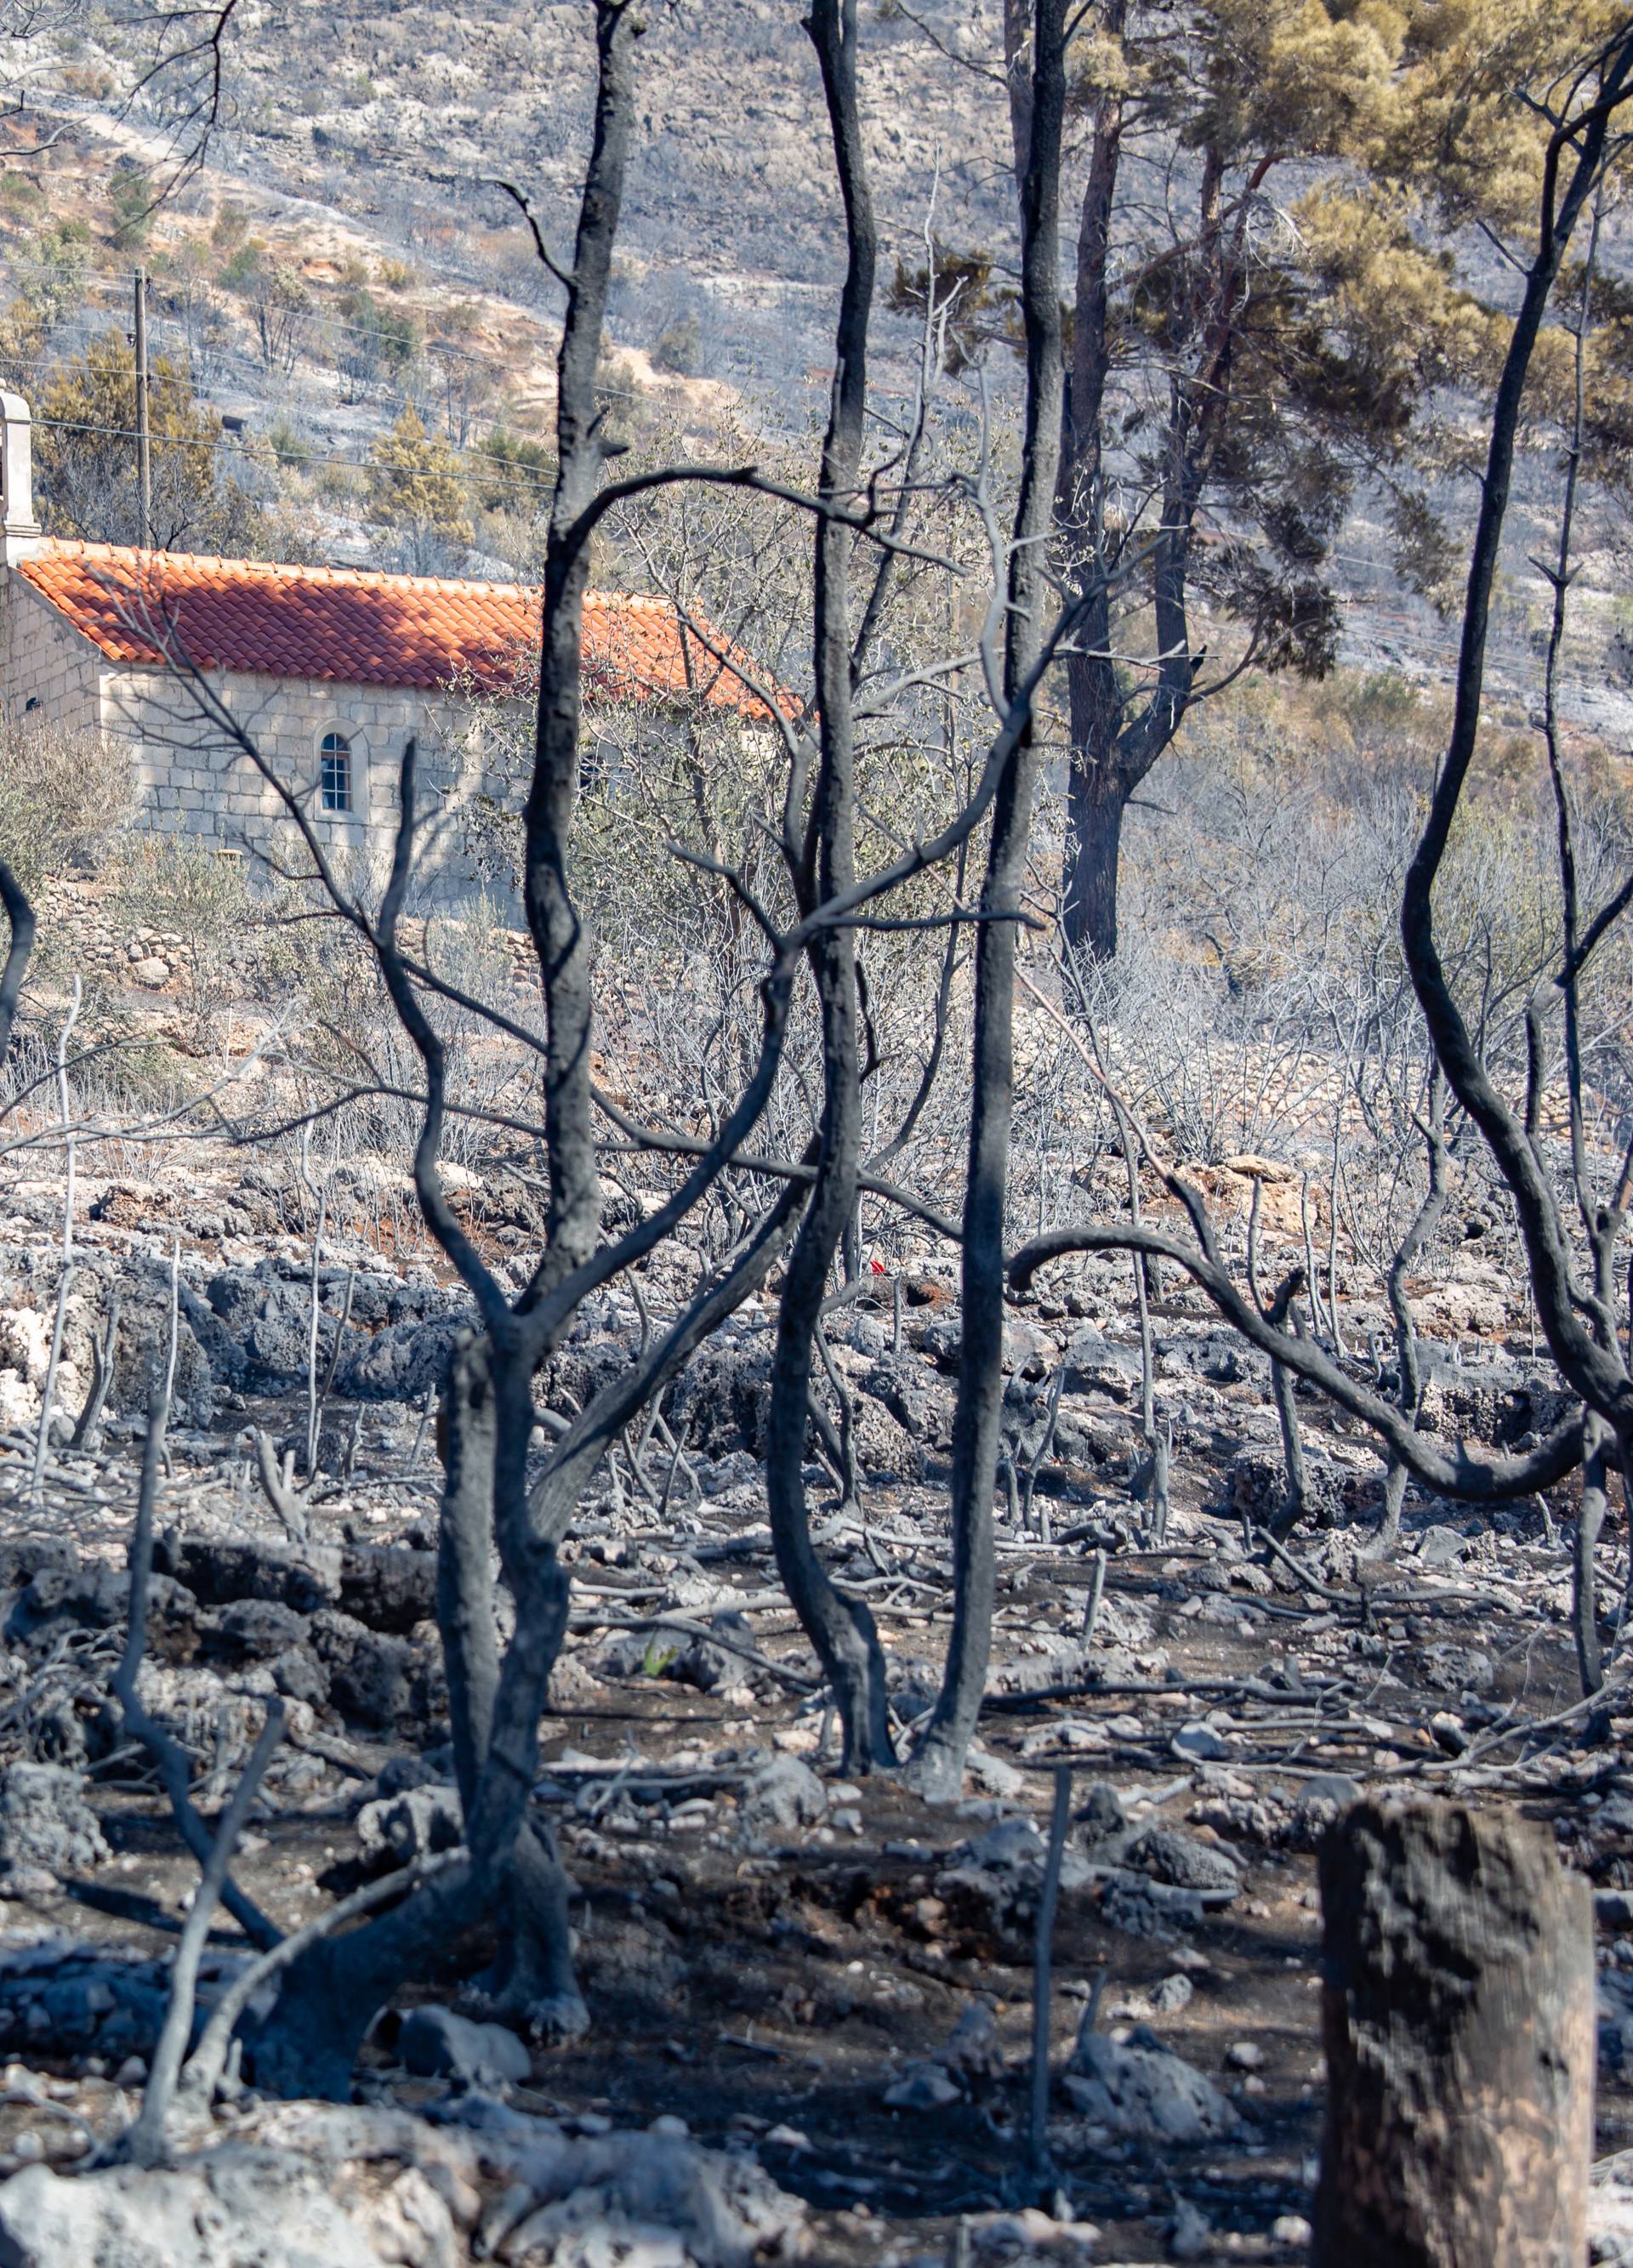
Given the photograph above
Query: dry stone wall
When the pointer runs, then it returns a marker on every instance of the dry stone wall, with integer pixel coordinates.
(51, 672)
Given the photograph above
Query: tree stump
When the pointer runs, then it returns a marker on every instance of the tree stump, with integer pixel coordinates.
(1458, 2013)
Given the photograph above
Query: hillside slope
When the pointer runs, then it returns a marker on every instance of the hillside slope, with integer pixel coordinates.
(358, 145)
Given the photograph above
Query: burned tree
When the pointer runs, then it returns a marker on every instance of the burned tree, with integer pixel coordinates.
(1570, 1283)
(499, 1493)
(1458, 2013)
(1027, 644)
(820, 852)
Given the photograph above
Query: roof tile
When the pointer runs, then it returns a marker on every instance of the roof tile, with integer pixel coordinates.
(361, 629)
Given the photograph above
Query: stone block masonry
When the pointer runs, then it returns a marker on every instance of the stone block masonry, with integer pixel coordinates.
(189, 780)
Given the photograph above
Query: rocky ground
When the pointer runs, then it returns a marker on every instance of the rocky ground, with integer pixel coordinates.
(810, 1996)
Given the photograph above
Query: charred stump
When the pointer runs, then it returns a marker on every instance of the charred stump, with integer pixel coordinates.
(1458, 2011)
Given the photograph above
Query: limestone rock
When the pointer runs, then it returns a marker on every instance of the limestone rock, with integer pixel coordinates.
(46, 1821)
(412, 1825)
(370, 1673)
(1142, 2089)
(234, 2208)
(921, 2087)
(436, 2043)
(783, 1793)
(1189, 1864)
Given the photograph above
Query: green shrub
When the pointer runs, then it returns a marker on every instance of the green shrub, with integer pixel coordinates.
(178, 884)
(62, 793)
(130, 193)
(677, 348)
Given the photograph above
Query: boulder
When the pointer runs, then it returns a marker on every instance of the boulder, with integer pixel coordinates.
(1100, 1366)
(1199, 1739)
(973, 2050)
(22, 1558)
(1316, 1804)
(783, 1793)
(435, 2044)
(263, 1315)
(389, 1586)
(705, 1665)
(220, 1572)
(1144, 2090)
(1447, 1669)
(371, 1674)
(300, 1675)
(311, 2185)
(921, 2087)
(253, 1630)
(917, 1398)
(96, 1597)
(1439, 1546)
(412, 1825)
(942, 1337)
(616, 2195)
(1140, 1907)
(721, 1400)
(46, 1821)
(1100, 1818)
(399, 1363)
(234, 2208)
(67, 1997)
(1189, 1864)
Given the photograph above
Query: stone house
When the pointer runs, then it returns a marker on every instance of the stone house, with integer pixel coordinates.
(327, 669)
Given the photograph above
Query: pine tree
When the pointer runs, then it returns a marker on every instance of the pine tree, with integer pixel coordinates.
(86, 451)
(1266, 307)
(415, 487)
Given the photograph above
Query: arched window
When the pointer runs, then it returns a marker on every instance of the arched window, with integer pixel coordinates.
(335, 771)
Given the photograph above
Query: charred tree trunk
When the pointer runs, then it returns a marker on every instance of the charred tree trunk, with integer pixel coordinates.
(20, 920)
(1575, 159)
(1598, 1441)
(332, 1991)
(1395, 1479)
(1097, 791)
(1458, 2012)
(937, 1766)
(842, 1632)
(531, 1979)
(1096, 800)
(1423, 1224)
(1295, 1498)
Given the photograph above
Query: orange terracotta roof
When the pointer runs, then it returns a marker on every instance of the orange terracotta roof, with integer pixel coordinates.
(358, 629)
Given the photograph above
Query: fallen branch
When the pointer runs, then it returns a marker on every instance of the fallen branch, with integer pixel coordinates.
(169, 1756)
(145, 2144)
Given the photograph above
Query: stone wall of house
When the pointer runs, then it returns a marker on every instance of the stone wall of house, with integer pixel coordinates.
(51, 672)
(192, 779)
(189, 779)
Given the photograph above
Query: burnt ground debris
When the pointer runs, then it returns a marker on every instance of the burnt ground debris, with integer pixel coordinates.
(831, 1976)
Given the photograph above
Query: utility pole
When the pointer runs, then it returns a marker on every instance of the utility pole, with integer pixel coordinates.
(145, 461)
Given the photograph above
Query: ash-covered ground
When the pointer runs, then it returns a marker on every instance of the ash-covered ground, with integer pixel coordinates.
(810, 1996)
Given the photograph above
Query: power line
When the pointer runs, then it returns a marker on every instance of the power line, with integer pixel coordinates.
(232, 448)
(315, 322)
(115, 283)
(50, 365)
(380, 389)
